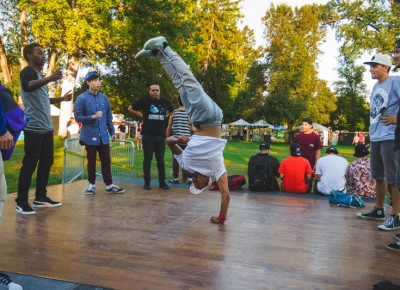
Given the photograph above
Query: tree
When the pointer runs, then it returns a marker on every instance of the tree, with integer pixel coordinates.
(293, 88)
(363, 25)
(73, 32)
(352, 112)
(224, 53)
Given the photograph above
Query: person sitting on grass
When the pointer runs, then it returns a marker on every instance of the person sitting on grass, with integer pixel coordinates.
(203, 154)
(295, 171)
(331, 172)
(359, 174)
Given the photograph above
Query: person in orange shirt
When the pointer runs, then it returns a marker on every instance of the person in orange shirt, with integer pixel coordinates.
(295, 171)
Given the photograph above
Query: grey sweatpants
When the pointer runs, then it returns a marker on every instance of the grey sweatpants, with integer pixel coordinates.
(201, 109)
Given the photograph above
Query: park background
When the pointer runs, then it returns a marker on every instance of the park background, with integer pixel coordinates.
(272, 77)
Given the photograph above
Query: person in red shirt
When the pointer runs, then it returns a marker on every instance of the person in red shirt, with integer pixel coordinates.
(310, 142)
(295, 171)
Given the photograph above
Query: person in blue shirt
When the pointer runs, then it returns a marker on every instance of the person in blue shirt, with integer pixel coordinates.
(93, 110)
(6, 142)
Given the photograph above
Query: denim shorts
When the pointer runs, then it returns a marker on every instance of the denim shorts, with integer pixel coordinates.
(397, 153)
(383, 164)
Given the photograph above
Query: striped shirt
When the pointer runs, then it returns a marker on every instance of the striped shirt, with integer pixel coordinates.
(180, 124)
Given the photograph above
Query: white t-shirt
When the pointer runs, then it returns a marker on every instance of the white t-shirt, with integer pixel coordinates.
(332, 169)
(203, 154)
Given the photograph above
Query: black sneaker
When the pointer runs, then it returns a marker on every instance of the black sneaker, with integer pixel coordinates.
(115, 189)
(394, 247)
(397, 237)
(7, 283)
(164, 186)
(375, 214)
(392, 223)
(25, 208)
(45, 202)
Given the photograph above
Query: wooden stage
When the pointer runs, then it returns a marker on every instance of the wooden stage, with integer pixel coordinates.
(163, 240)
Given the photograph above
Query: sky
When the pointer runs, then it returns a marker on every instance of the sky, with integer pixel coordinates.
(254, 10)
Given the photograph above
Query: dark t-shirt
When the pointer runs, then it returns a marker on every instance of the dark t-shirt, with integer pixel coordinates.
(122, 128)
(309, 144)
(154, 115)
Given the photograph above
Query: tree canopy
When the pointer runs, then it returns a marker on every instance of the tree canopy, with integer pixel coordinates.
(278, 81)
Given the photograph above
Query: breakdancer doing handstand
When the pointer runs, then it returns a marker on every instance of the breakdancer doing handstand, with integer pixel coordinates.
(203, 154)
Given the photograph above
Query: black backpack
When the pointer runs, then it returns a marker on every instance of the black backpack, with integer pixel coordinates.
(258, 172)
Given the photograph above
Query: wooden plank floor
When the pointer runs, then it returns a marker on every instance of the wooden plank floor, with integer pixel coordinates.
(163, 240)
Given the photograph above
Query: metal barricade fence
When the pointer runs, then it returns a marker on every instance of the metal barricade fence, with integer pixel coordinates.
(122, 160)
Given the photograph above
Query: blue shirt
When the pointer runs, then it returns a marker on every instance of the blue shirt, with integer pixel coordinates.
(385, 99)
(94, 131)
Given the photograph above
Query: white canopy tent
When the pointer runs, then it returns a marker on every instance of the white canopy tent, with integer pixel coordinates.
(239, 122)
(262, 123)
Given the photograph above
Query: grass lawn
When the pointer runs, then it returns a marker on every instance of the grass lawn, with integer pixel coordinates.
(236, 156)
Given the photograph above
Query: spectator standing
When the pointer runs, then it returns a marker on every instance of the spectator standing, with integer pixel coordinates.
(179, 125)
(331, 172)
(311, 145)
(138, 136)
(361, 138)
(38, 133)
(356, 139)
(385, 100)
(396, 121)
(262, 170)
(309, 141)
(359, 174)
(6, 142)
(73, 128)
(122, 132)
(154, 110)
(93, 110)
(295, 171)
(250, 135)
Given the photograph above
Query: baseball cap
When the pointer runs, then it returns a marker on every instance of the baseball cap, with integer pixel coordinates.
(382, 59)
(264, 146)
(295, 149)
(331, 150)
(92, 75)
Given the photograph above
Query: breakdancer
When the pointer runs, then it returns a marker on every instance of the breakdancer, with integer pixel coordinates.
(203, 154)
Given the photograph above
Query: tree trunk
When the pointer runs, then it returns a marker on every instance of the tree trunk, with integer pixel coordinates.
(23, 22)
(52, 63)
(67, 85)
(4, 63)
(210, 43)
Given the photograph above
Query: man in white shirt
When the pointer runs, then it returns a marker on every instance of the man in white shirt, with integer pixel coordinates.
(331, 172)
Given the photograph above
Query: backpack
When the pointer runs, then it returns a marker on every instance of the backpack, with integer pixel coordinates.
(14, 116)
(234, 182)
(258, 173)
(339, 198)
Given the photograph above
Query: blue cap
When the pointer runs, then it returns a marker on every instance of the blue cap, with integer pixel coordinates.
(92, 75)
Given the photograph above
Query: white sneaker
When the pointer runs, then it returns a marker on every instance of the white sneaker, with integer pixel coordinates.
(156, 43)
(91, 189)
(7, 283)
